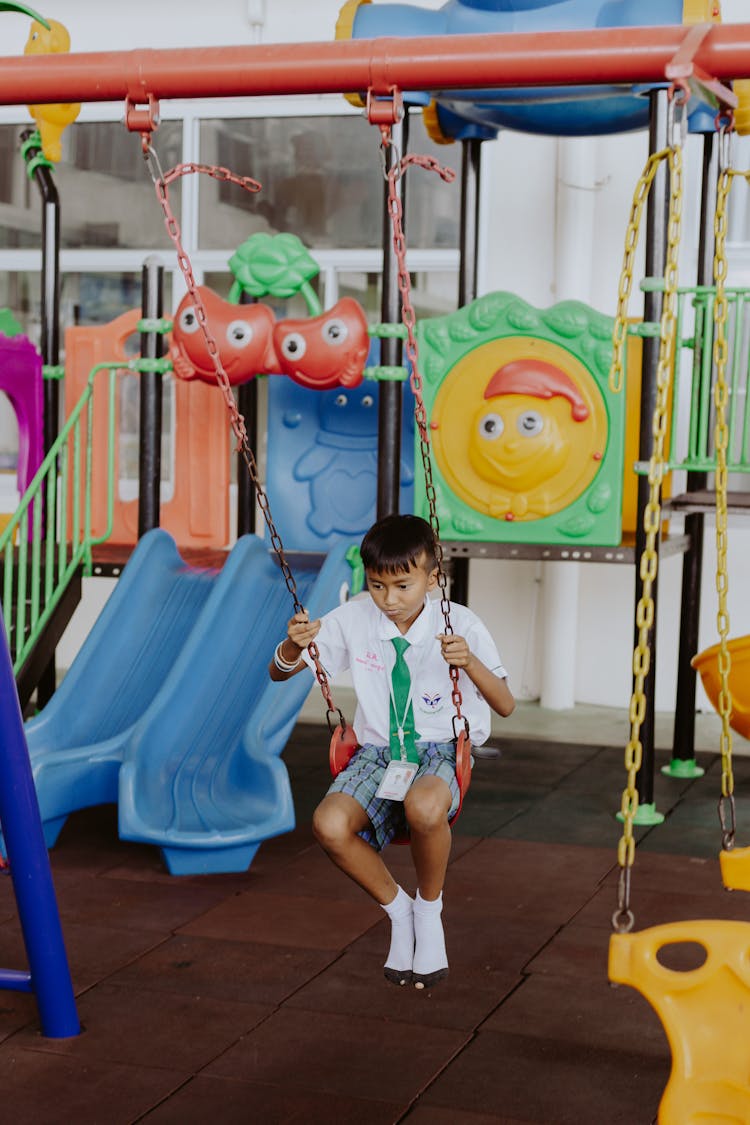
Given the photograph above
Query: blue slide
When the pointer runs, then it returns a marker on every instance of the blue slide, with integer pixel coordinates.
(202, 776)
(77, 743)
(168, 708)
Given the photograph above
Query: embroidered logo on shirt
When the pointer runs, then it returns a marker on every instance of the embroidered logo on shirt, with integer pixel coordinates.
(431, 704)
(371, 661)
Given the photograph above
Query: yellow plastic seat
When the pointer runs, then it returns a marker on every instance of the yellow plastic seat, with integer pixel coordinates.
(707, 664)
(735, 869)
(705, 1012)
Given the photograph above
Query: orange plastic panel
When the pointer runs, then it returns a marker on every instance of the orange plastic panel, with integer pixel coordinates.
(198, 512)
(707, 664)
(705, 1016)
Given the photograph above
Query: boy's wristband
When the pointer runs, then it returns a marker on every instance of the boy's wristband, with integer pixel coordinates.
(282, 664)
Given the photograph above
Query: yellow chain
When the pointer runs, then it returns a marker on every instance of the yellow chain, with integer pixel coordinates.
(620, 332)
(652, 512)
(721, 440)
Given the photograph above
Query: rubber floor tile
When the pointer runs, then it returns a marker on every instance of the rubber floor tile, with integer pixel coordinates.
(288, 920)
(355, 983)
(552, 1082)
(224, 970)
(124, 904)
(654, 908)
(433, 1115)
(573, 951)
(230, 1102)
(351, 1056)
(590, 1012)
(143, 1028)
(93, 951)
(552, 820)
(41, 1088)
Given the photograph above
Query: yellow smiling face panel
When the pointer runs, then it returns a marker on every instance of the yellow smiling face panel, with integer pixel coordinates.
(527, 437)
(519, 428)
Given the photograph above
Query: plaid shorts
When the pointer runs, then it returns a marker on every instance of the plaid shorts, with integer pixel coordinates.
(364, 773)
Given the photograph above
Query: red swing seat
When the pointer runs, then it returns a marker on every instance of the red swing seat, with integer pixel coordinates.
(344, 746)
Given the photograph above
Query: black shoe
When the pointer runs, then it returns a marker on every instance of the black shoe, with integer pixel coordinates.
(427, 980)
(398, 976)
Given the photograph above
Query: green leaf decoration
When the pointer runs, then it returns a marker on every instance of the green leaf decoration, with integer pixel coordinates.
(460, 329)
(433, 369)
(568, 319)
(599, 498)
(9, 326)
(485, 311)
(278, 265)
(577, 526)
(437, 336)
(465, 525)
(522, 317)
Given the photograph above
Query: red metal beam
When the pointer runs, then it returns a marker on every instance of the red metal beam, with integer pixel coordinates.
(595, 57)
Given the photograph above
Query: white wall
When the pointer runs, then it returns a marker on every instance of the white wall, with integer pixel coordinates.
(518, 238)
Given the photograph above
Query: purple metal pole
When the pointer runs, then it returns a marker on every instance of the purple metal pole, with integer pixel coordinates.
(49, 976)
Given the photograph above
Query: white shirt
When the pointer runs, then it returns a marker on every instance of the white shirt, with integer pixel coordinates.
(357, 636)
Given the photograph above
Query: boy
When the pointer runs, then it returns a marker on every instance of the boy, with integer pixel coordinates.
(374, 637)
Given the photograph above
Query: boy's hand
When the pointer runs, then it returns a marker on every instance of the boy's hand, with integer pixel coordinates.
(300, 630)
(455, 650)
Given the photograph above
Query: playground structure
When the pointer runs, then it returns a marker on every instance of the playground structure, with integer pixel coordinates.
(718, 72)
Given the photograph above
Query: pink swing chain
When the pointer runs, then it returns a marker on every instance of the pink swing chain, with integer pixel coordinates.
(409, 319)
(161, 181)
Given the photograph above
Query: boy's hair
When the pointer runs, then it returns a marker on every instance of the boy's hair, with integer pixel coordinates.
(397, 543)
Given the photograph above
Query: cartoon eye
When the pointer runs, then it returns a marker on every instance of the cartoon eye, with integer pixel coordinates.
(367, 400)
(530, 423)
(239, 333)
(293, 346)
(189, 320)
(491, 426)
(334, 331)
(341, 400)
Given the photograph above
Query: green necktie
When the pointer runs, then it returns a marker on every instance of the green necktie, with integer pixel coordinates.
(402, 715)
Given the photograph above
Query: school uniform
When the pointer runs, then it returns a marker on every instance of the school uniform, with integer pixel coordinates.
(357, 637)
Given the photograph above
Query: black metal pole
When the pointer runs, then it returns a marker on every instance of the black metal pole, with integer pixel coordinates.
(657, 217)
(683, 741)
(149, 446)
(50, 341)
(471, 157)
(247, 404)
(390, 394)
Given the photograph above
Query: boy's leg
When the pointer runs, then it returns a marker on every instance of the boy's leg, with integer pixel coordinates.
(336, 823)
(427, 805)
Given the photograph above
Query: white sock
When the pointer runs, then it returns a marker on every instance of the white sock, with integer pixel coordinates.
(401, 952)
(429, 955)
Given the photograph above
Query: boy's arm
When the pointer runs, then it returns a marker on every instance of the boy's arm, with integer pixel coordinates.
(495, 690)
(287, 659)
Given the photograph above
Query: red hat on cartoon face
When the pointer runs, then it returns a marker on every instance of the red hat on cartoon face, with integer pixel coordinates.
(540, 380)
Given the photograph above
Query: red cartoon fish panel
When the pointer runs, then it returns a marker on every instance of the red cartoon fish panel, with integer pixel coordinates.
(325, 351)
(242, 333)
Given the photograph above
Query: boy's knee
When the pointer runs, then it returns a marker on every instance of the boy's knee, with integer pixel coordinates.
(427, 807)
(331, 826)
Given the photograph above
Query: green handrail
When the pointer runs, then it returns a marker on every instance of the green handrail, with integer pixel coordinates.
(693, 396)
(41, 548)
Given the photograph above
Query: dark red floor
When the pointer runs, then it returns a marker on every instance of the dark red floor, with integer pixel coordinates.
(260, 997)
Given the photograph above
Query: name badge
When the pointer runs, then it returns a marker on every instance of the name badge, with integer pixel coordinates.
(396, 781)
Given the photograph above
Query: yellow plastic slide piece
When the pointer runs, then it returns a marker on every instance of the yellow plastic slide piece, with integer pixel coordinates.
(705, 1012)
(741, 87)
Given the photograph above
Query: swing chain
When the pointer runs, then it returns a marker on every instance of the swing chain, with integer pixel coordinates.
(676, 127)
(652, 511)
(161, 182)
(398, 166)
(721, 441)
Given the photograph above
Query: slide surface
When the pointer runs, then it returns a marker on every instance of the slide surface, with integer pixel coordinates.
(202, 776)
(168, 708)
(76, 743)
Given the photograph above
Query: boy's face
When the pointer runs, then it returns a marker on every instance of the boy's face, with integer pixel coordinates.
(401, 596)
